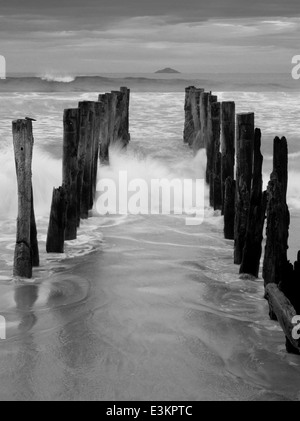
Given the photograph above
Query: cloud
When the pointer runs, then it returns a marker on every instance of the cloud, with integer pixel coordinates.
(207, 35)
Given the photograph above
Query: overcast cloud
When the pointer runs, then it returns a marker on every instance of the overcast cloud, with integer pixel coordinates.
(137, 36)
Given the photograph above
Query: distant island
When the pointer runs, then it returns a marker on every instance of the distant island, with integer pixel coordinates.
(167, 70)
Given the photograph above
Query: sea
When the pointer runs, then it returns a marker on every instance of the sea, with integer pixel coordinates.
(141, 307)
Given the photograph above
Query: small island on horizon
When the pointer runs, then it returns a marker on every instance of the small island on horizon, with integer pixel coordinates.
(167, 70)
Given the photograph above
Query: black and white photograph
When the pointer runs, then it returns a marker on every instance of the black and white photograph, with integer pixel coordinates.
(149, 203)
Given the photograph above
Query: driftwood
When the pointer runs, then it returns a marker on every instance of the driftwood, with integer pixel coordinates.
(244, 144)
(282, 308)
(26, 250)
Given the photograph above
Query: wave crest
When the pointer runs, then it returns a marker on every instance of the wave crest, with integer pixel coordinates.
(48, 77)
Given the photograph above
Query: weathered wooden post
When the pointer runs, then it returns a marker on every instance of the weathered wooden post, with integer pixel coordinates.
(217, 187)
(35, 257)
(87, 108)
(258, 202)
(213, 157)
(191, 131)
(57, 222)
(116, 121)
(70, 169)
(278, 218)
(188, 130)
(105, 105)
(26, 247)
(84, 121)
(244, 144)
(210, 146)
(96, 143)
(125, 115)
(229, 208)
(195, 102)
(204, 99)
(227, 143)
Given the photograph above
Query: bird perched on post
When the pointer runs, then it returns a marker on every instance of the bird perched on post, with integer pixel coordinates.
(30, 119)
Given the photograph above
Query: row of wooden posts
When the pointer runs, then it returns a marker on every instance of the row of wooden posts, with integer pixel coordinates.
(234, 176)
(88, 133)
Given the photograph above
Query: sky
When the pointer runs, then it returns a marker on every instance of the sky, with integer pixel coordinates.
(131, 36)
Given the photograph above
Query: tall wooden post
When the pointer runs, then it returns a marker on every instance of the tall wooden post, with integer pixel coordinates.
(84, 121)
(213, 157)
(57, 222)
(258, 202)
(229, 208)
(96, 143)
(25, 254)
(204, 98)
(227, 143)
(70, 169)
(191, 133)
(105, 101)
(35, 258)
(125, 115)
(87, 108)
(278, 218)
(244, 144)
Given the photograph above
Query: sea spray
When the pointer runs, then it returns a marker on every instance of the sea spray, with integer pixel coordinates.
(46, 173)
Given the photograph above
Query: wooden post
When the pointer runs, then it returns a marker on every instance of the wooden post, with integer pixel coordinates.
(280, 161)
(24, 253)
(195, 104)
(204, 98)
(57, 222)
(278, 218)
(191, 133)
(244, 144)
(229, 208)
(87, 108)
(210, 146)
(217, 187)
(227, 143)
(84, 121)
(213, 157)
(188, 131)
(116, 120)
(258, 203)
(70, 169)
(105, 104)
(96, 142)
(125, 115)
(35, 258)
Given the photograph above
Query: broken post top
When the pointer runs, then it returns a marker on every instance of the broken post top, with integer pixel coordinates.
(228, 111)
(71, 116)
(280, 161)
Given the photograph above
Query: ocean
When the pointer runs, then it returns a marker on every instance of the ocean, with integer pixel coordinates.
(140, 307)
